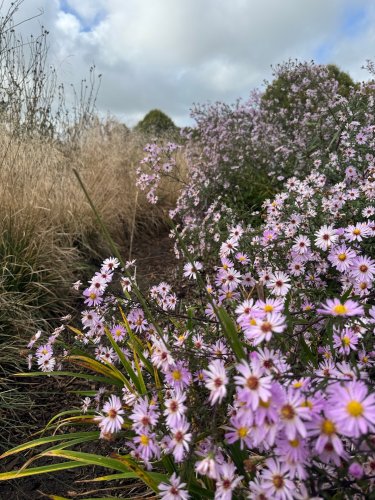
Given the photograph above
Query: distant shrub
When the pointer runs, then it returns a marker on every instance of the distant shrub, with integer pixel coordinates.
(157, 123)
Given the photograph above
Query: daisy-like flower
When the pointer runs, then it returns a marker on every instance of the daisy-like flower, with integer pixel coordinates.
(46, 364)
(276, 482)
(178, 376)
(301, 244)
(352, 408)
(175, 409)
(180, 439)
(363, 268)
(325, 237)
(93, 297)
(335, 307)
(228, 247)
(227, 482)
(279, 283)
(292, 415)
(253, 385)
(118, 333)
(263, 329)
(358, 232)
(242, 431)
(270, 305)
(341, 257)
(242, 258)
(216, 380)
(190, 270)
(112, 421)
(173, 491)
(346, 341)
(110, 264)
(326, 431)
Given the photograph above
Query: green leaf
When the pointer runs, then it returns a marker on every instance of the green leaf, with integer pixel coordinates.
(45, 469)
(86, 376)
(50, 439)
(231, 333)
(125, 363)
(89, 459)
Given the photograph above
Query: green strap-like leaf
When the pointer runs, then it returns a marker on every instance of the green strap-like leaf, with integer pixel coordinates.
(50, 439)
(45, 469)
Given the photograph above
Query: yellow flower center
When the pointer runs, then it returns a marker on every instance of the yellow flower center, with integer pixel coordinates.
(278, 481)
(354, 408)
(340, 309)
(307, 404)
(346, 340)
(242, 432)
(176, 374)
(294, 443)
(287, 412)
(342, 257)
(268, 308)
(297, 385)
(144, 439)
(328, 427)
(253, 322)
(264, 404)
(92, 295)
(356, 231)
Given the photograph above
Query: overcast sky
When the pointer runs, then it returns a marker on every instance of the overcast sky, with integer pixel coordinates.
(168, 54)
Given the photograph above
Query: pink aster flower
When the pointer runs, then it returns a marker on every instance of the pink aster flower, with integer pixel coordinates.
(301, 244)
(180, 439)
(275, 480)
(178, 376)
(173, 491)
(352, 407)
(93, 297)
(227, 482)
(190, 270)
(216, 380)
(112, 421)
(363, 268)
(253, 385)
(175, 409)
(342, 257)
(326, 432)
(262, 329)
(346, 341)
(325, 237)
(358, 232)
(242, 431)
(118, 333)
(335, 307)
(279, 283)
(293, 414)
(147, 447)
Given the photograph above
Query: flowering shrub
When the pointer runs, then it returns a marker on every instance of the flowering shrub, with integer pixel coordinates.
(262, 386)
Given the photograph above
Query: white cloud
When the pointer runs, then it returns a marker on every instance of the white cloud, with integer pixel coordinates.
(171, 53)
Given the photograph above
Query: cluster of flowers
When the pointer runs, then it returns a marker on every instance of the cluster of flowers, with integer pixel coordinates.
(263, 387)
(231, 146)
(160, 160)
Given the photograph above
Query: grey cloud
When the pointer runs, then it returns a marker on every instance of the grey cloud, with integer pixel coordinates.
(171, 53)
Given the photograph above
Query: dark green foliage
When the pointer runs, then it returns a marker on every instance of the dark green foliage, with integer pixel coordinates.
(279, 93)
(156, 123)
